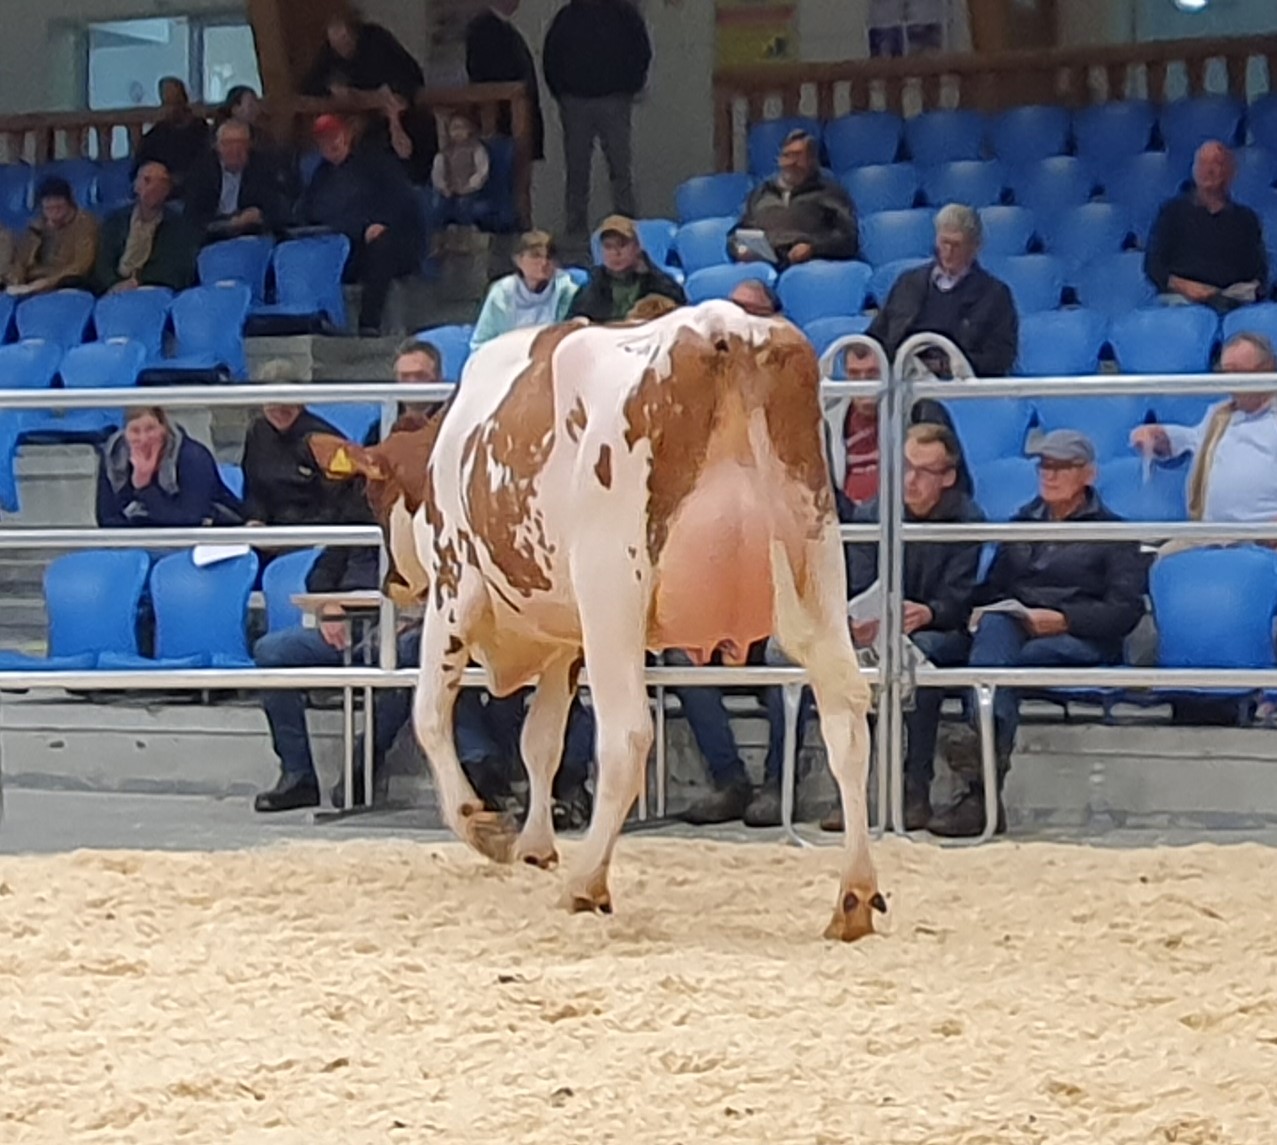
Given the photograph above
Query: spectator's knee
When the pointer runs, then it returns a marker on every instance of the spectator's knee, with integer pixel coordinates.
(272, 650)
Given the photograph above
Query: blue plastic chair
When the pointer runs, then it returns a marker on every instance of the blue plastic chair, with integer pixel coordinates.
(352, 421)
(1007, 230)
(1114, 284)
(1182, 409)
(711, 196)
(232, 476)
(703, 243)
(1141, 184)
(1083, 234)
(94, 365)
(884, 277)
(1061, 343)
(453, 344)
(114, 183)
(1261, 121)
(284, 578)
(1256, 174)
(81, 174)
(991, 428)
(139, 315)
(1036, 281)
(764, 140)
(1260, 319)
(1185, 124)
(91, 599)
(61, 317)
(209, 324)
(1051, 186)
(824, 332)
(578, 274)
(308, 275)
(7, 306)
(1108, 133)
(245, 259)
(936, 137)
(15, 189)
(656, 237)
(1004, 485)
(720, 281)
(883, 187)
(863, 139)
(1106, 420)
(1027, 134)
(973, 182)
(822, 289)
(1123, 489)
(889, 236)
(503, 214)
(29, 365)
(1168, 340)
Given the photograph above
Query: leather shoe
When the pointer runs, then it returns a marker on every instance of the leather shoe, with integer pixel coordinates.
(380, 787)
(764, 808)
(965, 819)
(723, 805)
(294, 790)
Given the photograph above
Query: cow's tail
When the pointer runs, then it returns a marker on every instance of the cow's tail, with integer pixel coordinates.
(795, 627)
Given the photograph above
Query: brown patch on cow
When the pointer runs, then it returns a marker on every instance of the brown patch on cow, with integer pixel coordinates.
(576, 421)
(603, 467)
(791, 402)
(454, 646)
(632, 551)
(515, 442)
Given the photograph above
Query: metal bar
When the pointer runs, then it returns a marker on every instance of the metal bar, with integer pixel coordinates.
(1205, 532)
(891, 638)
(791, 697)
(369, 721)
(302, 536)
(662, 753)
(1101, 385)
(984, 697)
(348, 727)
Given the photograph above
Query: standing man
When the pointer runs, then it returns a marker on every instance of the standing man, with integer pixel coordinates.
(497, 53)
(596, 58)
(180, 139)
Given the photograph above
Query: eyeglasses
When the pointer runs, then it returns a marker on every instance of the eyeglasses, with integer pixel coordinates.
(1050, 465)
(933, 471)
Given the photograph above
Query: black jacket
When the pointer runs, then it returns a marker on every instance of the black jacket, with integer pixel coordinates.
(497, 53)
(819, 213)
(940, 575)
(260, 187)
(596, 48)
(379, 59)
(1098, 586)
(179, 146)
(1219, 250)
(596, 301)
(987, 330)
(370, 187)
(173, 254)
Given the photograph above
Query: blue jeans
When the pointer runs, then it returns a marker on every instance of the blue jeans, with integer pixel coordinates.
(461, 210)
(1001, 642)
(488, 729)
(711, 727)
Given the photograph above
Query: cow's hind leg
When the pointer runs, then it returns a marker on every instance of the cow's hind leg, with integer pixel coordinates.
(811, 625)
(542, 747)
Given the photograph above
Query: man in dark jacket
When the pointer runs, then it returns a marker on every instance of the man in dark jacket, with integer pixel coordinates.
(147, 244)
(180, 139)
(802, 214)
(497, 53)
(367, 197)
(596, 57)
(1050, 604)
(361, 56)
(234, 191)
(626, 276)
(955, 296)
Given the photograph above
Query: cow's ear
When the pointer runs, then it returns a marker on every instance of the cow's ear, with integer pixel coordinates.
(342, 460)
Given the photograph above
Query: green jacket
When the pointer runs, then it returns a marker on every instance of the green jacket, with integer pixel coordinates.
(172, 261)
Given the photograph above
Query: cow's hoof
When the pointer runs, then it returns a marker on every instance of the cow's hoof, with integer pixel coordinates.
(544, 860)
(590, 897)
(854, 915)
(490, 833)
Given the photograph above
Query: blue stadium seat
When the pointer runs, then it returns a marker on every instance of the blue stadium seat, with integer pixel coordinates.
(139, 315)
(244, 259)
(1261, 121)
(936, 137)
(1108, 133)
(765, 137)
(1183, 409)
(1141, 184)
(351, 421)
(1050, 186)
(822, 289)
(1259, 319)
(308, 275)
(1061, 343)
(991, 428)
(1115, 284)
(1122, 486)
(884, 277)
(284, 578)
(578, 274)
(7, 305)
(15, 190)
(1007, 230)
(114, 183)
(92, 366)
(200, 614)
(710, 196)
(863, 139)
(453, 344)
(91, 599)
(1167, 340)
(208, 322)
(1036, 280)
(1003, 485)
(1185, 124)
(720, 281)
(882, 187)
(703, 243)
(61, 317)
(1256, 174)
(1106, 420)
(232, 476)
(656, 237)
(81, 174)
(889, 236)
(975, 182)
(1081, 235)
(503, 214)
(1026, 134)
(824, 332)
(30, 365)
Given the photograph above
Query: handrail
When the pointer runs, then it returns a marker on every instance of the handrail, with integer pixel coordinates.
(1204, 532)
(1099, 385)
(258, 536)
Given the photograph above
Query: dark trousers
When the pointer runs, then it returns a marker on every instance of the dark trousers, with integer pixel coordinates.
(488, 731)
(711, 727)
(375, 266)
(606, 119)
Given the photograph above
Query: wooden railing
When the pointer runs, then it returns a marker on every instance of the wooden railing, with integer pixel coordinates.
(1074, 77)
(38, 137)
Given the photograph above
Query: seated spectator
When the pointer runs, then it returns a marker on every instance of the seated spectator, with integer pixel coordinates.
(366, 197)
(358, 55)
(153, 475)
(626, 276)
(180, 139)
(537, 294)
(1204, 247)
(801, 214)
(1046, 604)
(756, 298)
(459, 175)
(58, 248)
(234, 191)
(1234, 448)
(955, 296)
(416, 363)
(243, 105)
(8, 245)
(147, 244)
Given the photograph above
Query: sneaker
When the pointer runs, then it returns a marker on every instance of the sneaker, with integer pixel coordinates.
(293, 790)
(764, 808)
(723, 805)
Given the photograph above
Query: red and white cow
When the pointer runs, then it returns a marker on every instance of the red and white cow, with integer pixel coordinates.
(606, 490)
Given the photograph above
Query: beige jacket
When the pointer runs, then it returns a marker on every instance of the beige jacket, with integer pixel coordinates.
(59, 256)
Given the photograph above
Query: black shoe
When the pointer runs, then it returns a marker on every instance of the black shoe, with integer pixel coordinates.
(918, 812)
(380, 787)
(764, 808)
(965, 819)
(572, 811)
(294, 790)
(491, 783)
(723, 805)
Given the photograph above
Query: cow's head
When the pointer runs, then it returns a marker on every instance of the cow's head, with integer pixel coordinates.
(396, 475)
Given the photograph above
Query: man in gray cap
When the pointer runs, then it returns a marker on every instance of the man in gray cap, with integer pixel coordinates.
(1049, 603)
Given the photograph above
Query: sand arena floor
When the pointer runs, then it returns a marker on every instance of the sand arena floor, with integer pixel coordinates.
(1029, 994)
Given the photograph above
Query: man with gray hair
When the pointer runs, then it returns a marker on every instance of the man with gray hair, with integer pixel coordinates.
(233, 190)
(955, 296)
(1234, 447)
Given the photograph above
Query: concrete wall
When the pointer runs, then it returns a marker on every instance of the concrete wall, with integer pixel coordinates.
(1117, 21)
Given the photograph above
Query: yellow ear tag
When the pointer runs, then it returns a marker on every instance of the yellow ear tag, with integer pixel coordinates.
(341, 464)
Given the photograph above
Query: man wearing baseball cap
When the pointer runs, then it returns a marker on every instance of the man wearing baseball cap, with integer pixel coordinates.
(626, 276)
(1049, 603)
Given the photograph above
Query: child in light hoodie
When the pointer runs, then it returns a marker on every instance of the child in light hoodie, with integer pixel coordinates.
(537, 294)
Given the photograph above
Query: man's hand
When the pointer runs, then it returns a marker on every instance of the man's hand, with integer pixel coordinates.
(1193, 291)
(744, 254)
(374, 232)
(864, 632)
(916, 616)
(1151, 440)
(802, 252)
(252, 217)
(1046, 622)
(125, 284)
(333, 628)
